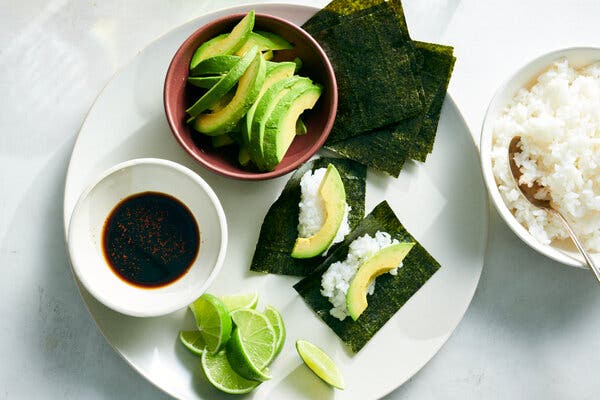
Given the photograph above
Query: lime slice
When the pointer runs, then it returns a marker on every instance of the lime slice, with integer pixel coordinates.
(193, 340)
(320, 363)
(237, 301)
(278, 326)
(241, 358)
(213, 321)
(218, 371)
(253, 344)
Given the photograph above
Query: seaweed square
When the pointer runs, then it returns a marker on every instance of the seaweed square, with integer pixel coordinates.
(391, 292)
(280, 226)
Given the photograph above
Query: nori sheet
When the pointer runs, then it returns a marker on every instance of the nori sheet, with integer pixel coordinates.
(280, 226)
(391, 292)
(438, 63)
(374, 61)
(387, 149)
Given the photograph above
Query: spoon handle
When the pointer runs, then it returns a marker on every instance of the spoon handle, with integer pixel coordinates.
(583, 252)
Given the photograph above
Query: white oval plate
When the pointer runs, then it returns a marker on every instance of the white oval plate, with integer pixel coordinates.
(442, 203)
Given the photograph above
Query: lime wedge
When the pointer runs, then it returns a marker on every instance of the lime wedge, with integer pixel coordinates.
(240, 357)
(275, 319)
(213, 321)
(320, 363)
(222, 376)
(237, 301)
(193, 340)
(253, 344)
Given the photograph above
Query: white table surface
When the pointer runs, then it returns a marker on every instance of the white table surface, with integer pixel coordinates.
(530, 333)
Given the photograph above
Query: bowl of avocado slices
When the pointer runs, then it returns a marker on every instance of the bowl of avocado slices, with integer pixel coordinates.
(250, 96)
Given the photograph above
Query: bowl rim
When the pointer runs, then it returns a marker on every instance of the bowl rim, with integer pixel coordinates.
(241, 174)
(186, 297)
(531, 69)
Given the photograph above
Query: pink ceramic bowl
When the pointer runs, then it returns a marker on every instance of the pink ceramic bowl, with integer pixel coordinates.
(319, 120)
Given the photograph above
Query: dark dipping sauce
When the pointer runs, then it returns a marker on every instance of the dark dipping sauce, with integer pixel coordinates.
(150, 239)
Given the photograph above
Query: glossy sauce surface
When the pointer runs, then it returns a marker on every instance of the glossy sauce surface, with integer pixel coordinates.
(150, 239)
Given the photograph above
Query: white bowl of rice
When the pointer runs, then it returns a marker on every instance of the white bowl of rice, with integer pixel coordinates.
(553, 103)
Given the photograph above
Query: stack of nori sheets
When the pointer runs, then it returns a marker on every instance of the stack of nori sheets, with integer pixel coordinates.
(391, 88)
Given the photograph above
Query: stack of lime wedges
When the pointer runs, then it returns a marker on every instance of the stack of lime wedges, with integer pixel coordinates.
(236, 343)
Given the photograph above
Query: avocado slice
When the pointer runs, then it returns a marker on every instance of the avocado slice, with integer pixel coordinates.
(301, 128)
(225, 43)
(243, 155)
(275, 73)
(204, 82)
(268, 55)
(267, 103)
(333, 194)
(222, 141)
(280, 128)
(217, 65)
(276, 42)
(226, 119)
(381, 262)
(265, 41)
(224, 85)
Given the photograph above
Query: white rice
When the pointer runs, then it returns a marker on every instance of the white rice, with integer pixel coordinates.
(312, 210)
(336, 280)
(559, 122)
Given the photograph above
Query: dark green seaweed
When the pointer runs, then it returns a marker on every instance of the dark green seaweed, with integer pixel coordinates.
(387, 149)
(280, 226)
(391, 291)
(374, 61)
(438, 63)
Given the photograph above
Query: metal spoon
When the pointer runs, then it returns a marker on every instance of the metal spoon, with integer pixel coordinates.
(529, 192)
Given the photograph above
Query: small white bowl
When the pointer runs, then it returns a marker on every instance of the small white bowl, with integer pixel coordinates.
(96, 203)
(525, 77)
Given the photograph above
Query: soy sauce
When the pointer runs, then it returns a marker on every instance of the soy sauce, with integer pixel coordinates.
(150, 239)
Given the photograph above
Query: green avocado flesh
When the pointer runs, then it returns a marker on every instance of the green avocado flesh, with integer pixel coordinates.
(204, 82)
(265, 41)
(224, 85)
(280, 128)
(226, 119)
(265, 106)
(381, 262)
(233, 93)
(217, 65)
(225, 43)
(333, 195)
(275, 73)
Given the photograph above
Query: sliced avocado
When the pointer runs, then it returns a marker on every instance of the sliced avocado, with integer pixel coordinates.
(218, 65)
(277, 42)
(205, 82)
(265, 41)
(275, 73)
(226, 119)
(333, 195)
(222, 141)
(225, 43)
(267, 103)
(280, 128)
(224, 85)
(268, 55)
(381, 262)
(301, 128)
(299, 64)
(243, 156)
